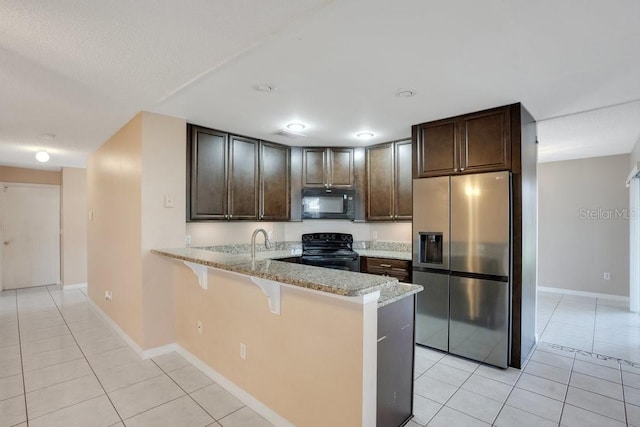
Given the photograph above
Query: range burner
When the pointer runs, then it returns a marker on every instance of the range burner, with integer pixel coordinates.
(330, 250)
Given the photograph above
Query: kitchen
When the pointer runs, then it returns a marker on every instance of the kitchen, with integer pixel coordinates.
(127, 205)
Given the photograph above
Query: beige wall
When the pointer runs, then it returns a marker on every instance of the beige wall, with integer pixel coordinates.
(305, 364)
(163, 174)
(128, 178)
(74, 226)
(574, 251)
(29, 176)
(114, 246)
(221, 233)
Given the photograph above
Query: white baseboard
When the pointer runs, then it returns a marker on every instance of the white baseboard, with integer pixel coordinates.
(74, 286)
(159, 351)
(583, 294)
(236, 391)
(134, 346)
(229, 386)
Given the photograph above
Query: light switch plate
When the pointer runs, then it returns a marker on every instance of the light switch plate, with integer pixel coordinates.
(168, 201)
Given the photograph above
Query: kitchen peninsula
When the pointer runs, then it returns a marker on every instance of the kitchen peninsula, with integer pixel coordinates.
(300, 343)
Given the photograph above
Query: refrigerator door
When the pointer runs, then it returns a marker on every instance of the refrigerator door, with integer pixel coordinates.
(431, 223)
(479, 323)
(480, 227)
(432, 311)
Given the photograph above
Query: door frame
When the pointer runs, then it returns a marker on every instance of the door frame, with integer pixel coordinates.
(4, 185)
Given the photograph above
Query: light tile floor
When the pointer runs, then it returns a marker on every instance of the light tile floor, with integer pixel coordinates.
(62, 365)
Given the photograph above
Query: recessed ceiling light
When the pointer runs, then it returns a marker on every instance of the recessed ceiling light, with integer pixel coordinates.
(265, 87)
(405, 93)
(364, 135)
(42, 156)
(296, 127)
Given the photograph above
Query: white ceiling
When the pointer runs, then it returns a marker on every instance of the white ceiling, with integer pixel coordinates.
(81, 69)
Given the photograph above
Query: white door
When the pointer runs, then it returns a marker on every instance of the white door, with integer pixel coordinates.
(30, 216)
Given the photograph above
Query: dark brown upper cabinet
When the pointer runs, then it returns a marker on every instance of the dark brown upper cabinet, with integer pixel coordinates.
(477, 142)
(236, 178)
(388, 169)
(327, 167)
(206, 174)
(275, 172)
(403, 180)
(243, 178)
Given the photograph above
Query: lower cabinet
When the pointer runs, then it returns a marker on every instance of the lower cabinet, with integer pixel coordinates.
(396, 348)
(400, 269)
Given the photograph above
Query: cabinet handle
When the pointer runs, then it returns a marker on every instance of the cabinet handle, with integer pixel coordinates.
(461, 169)
(230, 216)
(385, 265)
(408, 325)
(455, 169)
(382, 338)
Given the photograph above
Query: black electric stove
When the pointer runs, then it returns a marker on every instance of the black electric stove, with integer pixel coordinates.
(330, 250)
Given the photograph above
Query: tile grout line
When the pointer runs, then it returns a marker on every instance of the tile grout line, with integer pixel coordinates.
(566, 393)
(85, 357)
(24, 387)
(624, 400)
(191, 397)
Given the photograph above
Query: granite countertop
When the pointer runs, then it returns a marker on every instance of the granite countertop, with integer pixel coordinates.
(339, 282)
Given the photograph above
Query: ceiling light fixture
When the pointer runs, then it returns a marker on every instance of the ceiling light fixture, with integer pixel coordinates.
(296, 127)
(364, 135)
(265, 87)
(405, 93)
(42, 156)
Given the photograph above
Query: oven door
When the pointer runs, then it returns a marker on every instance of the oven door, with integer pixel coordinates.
(337, 263)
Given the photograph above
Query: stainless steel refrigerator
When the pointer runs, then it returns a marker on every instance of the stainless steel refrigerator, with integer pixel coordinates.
(462, 257)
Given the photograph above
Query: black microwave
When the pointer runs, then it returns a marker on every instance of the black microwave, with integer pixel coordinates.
(320, 203)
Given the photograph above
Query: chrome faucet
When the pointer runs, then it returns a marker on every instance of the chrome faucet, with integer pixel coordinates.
(267, 243)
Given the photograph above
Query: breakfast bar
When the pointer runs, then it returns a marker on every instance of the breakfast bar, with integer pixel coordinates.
(298, 343)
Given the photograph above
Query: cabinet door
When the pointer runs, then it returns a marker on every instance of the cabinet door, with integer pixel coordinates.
(208, 174)
(486, 141)
(314, 163)
(274, 182)
(403, 181)
(436, 151)
(380, 172)
(340, 167)
(243, 178)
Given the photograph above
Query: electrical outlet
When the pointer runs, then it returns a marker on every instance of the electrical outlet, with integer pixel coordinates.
(108, 295)
(168, 201)
(243, 351)
(607, 276)
(374, 235)
(270, 235)
(187, 239)
(199, 327)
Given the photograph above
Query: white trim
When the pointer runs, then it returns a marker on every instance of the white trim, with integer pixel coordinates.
(634, 173)
(369, 362)
(74, 286)
(159, 351)
(236, 391)
(634, 243)
(583, 294)
(229, 386)
(118, 329)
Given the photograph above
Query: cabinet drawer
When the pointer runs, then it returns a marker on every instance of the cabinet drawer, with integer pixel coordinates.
(397, 268)
(388, 264)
